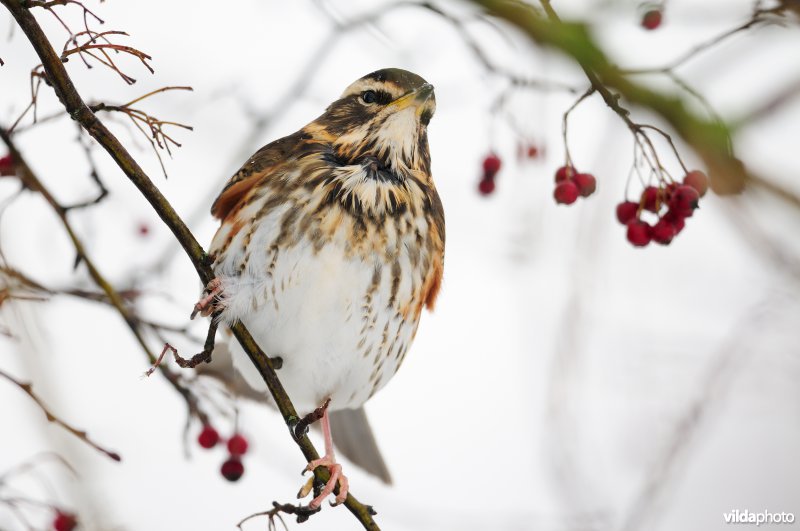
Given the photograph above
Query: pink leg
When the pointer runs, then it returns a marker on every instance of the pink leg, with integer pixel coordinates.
(329, 460)
(204, 305)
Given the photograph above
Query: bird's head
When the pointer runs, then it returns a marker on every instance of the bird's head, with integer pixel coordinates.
(382, 119)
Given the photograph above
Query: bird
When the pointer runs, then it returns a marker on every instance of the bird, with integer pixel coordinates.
(330, 246)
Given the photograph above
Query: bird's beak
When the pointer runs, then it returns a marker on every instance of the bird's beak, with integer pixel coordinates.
(415, 98)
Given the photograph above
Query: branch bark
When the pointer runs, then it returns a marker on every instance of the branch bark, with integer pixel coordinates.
(80, 112)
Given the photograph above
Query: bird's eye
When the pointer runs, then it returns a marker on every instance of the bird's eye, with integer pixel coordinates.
(369, 96)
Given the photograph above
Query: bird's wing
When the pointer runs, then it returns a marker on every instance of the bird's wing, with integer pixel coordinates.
(353, 437)
(433, 279)
(260, 166)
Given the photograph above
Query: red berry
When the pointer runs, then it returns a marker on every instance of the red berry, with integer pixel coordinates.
(586, 183)
(650, 199)
(564, 173)
(237, 445)
(232, 469)
(639, 233)
(684, 201)
(652, 19)
(697, 180)
(486, 186)
(64, 521)
(491, 165)
(677, 221)
(663, 231)
(566, 193)
(626, 211)
(209, 437)
(144, 229)
(533, 152)
(6, 166)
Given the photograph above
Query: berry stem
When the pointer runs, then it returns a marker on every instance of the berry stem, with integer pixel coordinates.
(564, 124)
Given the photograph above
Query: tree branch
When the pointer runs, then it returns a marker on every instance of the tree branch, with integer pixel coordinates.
(79, 111)
(80, 434)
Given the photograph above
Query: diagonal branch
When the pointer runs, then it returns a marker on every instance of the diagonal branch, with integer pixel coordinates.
(79, 111)
(80, 434)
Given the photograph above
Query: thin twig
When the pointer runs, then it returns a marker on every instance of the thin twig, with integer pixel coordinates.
(80, 434)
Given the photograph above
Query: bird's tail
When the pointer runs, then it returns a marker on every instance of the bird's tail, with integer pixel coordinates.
(352, 436)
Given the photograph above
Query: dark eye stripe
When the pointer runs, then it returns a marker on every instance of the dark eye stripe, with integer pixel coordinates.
(384, 97)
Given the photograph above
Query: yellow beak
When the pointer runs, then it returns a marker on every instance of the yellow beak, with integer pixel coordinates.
(415, 98)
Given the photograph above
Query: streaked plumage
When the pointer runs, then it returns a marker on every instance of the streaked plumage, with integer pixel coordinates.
(332, 242)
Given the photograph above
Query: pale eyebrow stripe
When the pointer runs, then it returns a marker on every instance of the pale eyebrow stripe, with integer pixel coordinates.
(369, 84)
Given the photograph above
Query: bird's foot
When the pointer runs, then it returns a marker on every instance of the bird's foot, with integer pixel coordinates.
(328, 461)
(206, 305)
(337, 478)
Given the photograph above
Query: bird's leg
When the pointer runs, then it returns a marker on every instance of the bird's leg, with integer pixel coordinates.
(205, 305)
(329, 461)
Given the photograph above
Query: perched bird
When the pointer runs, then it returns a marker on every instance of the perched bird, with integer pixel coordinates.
(330, 246)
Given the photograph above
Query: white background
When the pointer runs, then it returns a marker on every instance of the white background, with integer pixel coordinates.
(566, 379)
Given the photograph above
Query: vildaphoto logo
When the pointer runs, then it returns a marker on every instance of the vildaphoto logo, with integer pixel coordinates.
(737, 516)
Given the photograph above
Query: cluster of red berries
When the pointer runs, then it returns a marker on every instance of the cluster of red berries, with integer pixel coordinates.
(652, 17)
(491, 166)
(233, 468)
(570, 184)
(672, 203)
(6, 166)
(64, 521)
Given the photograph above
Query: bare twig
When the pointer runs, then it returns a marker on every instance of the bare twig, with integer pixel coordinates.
(157, 138)
(80, 434)
(99, 51)
(302, 512)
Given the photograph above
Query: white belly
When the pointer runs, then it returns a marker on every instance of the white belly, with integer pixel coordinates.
(313, 310)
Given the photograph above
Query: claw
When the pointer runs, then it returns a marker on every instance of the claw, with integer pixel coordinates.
(306, 488)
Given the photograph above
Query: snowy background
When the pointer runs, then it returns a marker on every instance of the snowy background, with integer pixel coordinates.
(566, 381)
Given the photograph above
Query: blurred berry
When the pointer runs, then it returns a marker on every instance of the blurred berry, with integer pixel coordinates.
(6, 166)
(663, 231)
(564, 173)
(626, 211)
(491, 165)
(683, 201)
(486, 186)
(652, 19)
(678, 222)
(237, 445)
(650, 199)
(232, 469)
(638, 233)
(64, 521)
(566, 193)
(209, 437)
(586, 183)
(697, 180)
